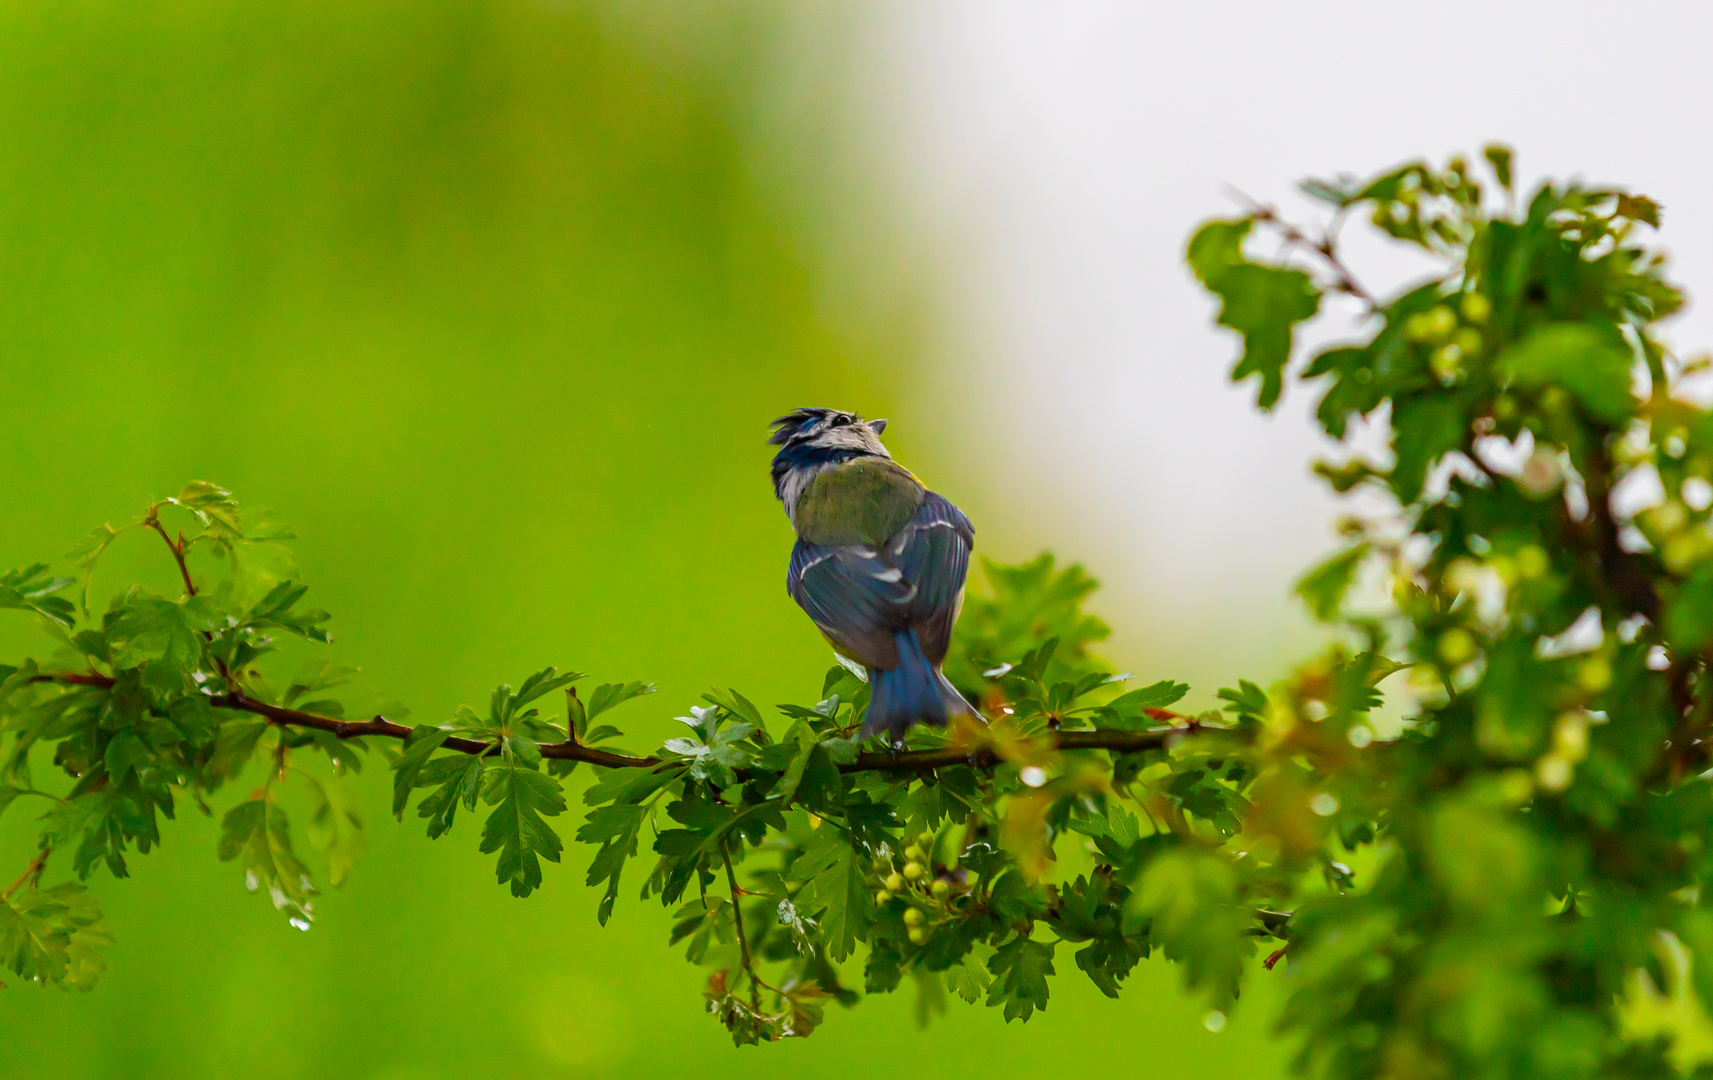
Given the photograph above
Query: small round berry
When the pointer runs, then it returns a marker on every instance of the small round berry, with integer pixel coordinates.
(1456, 646)
(913, 917)
(913, 854)
(913, 870)
(895, 882)
(1595, 674)
(882, 896)
(917, 935)
(926, 840)
(940, 889)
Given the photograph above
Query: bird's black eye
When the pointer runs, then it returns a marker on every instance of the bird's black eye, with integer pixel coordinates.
(841, 421)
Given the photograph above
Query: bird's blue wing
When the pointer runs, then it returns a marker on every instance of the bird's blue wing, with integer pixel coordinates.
(860, 596)
(854, 595)
(932, 552)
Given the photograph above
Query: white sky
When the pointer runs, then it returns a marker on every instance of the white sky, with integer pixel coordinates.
(1053, 158)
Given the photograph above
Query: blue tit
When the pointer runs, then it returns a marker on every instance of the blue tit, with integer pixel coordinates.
(879, 564)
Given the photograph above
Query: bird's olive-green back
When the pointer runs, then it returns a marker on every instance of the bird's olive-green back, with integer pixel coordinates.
(860, 502)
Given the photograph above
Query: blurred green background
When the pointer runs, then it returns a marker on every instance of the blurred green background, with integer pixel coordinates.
(489, 302)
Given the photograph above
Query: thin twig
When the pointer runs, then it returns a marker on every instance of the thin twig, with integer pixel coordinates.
(33, 870)
(1344, 280)
(177, 554)
(743, 938)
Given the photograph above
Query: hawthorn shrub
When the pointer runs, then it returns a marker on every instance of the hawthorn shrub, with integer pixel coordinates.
(1497, 873)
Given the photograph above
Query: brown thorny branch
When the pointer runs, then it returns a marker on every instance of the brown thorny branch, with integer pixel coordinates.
(1116, 739)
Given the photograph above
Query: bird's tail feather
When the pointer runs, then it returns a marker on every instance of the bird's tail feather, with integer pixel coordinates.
(911, 692)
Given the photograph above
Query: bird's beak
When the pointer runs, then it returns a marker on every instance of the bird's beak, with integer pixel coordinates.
(877, 426)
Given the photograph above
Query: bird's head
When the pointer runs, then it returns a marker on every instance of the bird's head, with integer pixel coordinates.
(810, 437)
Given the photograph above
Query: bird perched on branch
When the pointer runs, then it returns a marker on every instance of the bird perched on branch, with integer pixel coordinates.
(879, 564)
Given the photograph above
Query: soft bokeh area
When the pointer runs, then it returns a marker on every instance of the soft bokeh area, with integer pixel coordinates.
(492, 303)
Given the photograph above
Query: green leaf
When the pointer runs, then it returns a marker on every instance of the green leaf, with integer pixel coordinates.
(278, 608)
(1638, 208)
(1246, 700)
(214, 507)
(30, 589)
(1593, 364)
(94, 823)
(315, 677)
(1262, 303)
(256, 834)
(801, 739)
(88, 552)
(542, 682)
(615, 828)
(739, 706)
(611, 695)
(1191, 899)
(968, 978)
(161, 636)
(460, 781)
(837, 889)
(419, 746)
(1689, 616)
(54, 936)
(1158, 695)
(126, 754)
(1423, 429)
(522, 799)
(1339, 191)
(1498, 156)
(335, 826)
(1020, 969)
(234, 746)
(1324, 587)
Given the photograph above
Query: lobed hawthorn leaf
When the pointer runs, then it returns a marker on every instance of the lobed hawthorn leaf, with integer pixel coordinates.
(969, 978)
(1191, 899)
(802, 742)
(1130, 710)
(1324, 587)
(277, 608)
(507, 703)
(419, 746)
(335, 826)
(213, 506)
(96, 823)
(30, 589)
(257, 835)
(1424, 429)
(161, 637)
(837, 892)
(517, 829)
(608, 696)
(54, 937)
(615, 828)
(1262, 303)
(1020, 969)
(456, 779)
(741, 707)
